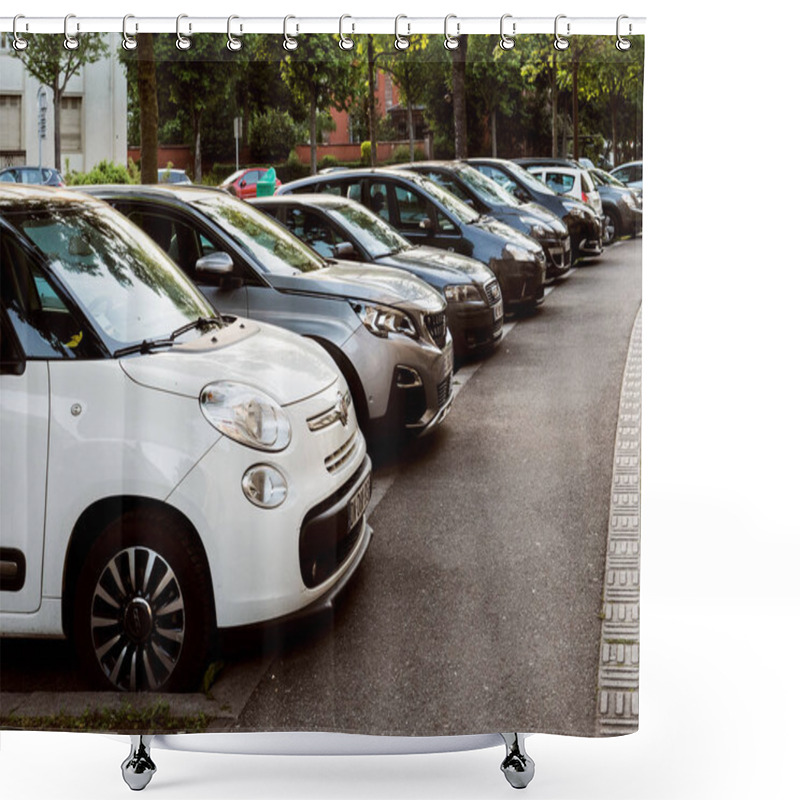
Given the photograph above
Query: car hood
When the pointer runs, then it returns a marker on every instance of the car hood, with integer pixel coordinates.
(392, 287)
(286, 366)
(504, 231)
(541, 213)
(438, 266)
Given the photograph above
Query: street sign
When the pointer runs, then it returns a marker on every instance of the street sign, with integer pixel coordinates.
(237, 128)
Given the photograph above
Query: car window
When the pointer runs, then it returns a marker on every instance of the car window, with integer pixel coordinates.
(351, 189)
(623, 174)
(486, 189)
(449, 184)
(44, 325)
(560, 182)
(7, 177)
(498, 176)
(314, 230)
(586, 183)
(379, 200)
(636, 172)
(29, 176)
(251, 177)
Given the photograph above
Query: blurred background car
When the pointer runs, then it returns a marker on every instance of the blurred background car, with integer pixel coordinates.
(337, 227)
(44, 176)
(170, 175)
(566, 177)
(622, 207)
(244, 182)
(426, 214)
(487, 197)
(630, 174)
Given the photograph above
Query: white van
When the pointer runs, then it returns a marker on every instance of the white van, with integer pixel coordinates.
(165, 471)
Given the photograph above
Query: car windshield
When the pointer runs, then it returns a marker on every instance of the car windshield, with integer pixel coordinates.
(458, 208)
(121, 280)
(486, 188)
(608, 179)
(269, 243)
(538, 184)
(371, 232)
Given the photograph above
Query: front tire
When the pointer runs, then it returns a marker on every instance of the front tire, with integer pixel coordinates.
(611, 227)
(143, 615)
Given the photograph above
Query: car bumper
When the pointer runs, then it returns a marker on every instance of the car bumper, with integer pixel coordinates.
(559, 256)
(521, 282)
(256, 556)
(474, 326)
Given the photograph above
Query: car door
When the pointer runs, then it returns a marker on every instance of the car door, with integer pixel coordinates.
(185, 240)
(316, 230)
(25, 345)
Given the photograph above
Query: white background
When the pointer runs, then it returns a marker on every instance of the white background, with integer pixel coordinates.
(719, 674)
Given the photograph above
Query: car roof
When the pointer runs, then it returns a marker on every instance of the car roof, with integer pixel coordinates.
(184, 192)
(35, 197)
(318, 199)
(628, 164)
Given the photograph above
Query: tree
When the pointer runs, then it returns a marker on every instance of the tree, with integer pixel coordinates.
(50, 62)
(459, 55)
(320, 75)
(148, 107)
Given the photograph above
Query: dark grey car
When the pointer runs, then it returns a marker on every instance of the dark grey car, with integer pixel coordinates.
(386, 329)
(622, 207)
(426, 214)
(340, 228)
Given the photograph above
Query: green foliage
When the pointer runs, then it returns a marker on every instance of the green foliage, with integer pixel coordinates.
(366, 152)
(272, 135)
(402, 154)
(328, 161)
(102, 172)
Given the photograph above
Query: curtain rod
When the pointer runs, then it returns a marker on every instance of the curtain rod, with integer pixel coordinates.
(348, 25)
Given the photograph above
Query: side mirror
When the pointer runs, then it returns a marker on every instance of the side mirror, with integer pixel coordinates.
(344, 250)
(426, 224)
(241, 182)
(215, 263)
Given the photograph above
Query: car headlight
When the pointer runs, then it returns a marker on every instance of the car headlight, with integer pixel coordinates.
(628, 200)
(383, 320)
(539, 232)
(246, 415)
(578, 212)
(520, 253)
(461, 293)
(264, 486)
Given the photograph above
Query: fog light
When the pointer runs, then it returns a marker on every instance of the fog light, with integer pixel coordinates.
(407, 378)
(264, 486)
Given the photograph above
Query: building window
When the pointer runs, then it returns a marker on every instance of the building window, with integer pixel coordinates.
(71, 124)
(10, 122)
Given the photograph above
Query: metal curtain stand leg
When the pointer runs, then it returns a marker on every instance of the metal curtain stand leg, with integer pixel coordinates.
(138, 768)
(517, 766)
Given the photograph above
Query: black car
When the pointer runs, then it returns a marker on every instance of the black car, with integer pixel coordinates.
(487, 197)
(622, 206)
(41, 176)
(337, 227)
(585, 227)
(426, 214)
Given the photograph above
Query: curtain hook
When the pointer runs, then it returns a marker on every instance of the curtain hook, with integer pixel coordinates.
(70, 42)
(623, 44)
(19, 43)
(234, 44)
(401, 42)
(507, 42)
(182, 42)
(451, 42)
(289, 43)
(560, 43)
(128, 42)
(345, 42)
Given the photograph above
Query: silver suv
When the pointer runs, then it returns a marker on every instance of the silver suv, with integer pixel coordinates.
(385, 329)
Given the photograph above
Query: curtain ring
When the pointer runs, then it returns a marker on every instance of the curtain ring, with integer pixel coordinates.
(401, 42)
(182, 42)
(345, 42)
(289, 43)
(560, 43)
(128, 42)
(19, 43)
(507, 42)
(70, 42)
(451, 42)
(623, 44)
(234, 44)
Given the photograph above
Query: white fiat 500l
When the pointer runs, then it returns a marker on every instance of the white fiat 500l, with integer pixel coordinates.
(165, 471)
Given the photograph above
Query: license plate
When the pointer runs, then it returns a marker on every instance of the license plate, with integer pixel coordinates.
(497, 311)
(358, 503)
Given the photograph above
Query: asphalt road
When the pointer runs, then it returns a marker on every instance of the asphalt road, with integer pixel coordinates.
(477, 606)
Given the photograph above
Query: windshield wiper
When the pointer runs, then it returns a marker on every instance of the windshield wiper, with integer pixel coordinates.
(148, 345)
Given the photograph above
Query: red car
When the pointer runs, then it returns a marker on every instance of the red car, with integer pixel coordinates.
(243, 182)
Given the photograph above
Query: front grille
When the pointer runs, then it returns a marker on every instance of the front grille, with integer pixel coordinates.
(443, 390)
(339, 457)
(437, 327)
(492, 290)
(497, 326)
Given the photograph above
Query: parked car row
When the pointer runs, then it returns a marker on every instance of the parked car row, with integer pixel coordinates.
(191, 382)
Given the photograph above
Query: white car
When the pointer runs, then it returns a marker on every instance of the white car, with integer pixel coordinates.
(630, 174)
(572, 182)
(165, 471)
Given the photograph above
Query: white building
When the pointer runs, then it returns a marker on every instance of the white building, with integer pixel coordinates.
(93, 113)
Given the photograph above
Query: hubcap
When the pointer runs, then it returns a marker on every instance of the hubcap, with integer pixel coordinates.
(609, 229)
(138, 620)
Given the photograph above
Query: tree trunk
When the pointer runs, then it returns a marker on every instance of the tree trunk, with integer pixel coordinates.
(410, 113)
(575, 146)
(312, 133)
(373, 145)
(460, 97)
(554, 108)
(148, 108)
(57, 124)
(614, 153)
(494, 133)
(198, 153)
